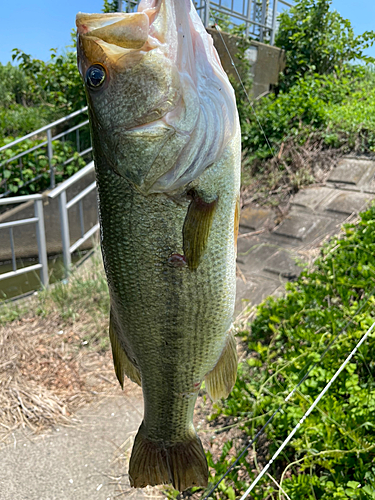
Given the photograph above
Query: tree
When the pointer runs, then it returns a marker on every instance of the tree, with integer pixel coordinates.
(318, 40)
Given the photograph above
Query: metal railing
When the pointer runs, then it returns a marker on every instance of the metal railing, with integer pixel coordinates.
(64, 207)
(46, 146)
(259, 16)
(38, 220)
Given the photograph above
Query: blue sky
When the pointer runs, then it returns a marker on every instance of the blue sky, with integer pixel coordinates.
(35, 26)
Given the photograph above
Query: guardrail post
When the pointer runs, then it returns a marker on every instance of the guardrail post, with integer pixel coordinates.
(64, 222)
(274, 19)
(263, 21)
(50, 156)
(248, 17)
(41, 240)
(78, 141)
(207, 14)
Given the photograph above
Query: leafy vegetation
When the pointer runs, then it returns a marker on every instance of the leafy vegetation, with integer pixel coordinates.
(56, 83)
(319, 41)
(110, 6)
(336, 108)
(36, 92)
(33, 174)
(33, 94)
(17, 115)
(332, 455)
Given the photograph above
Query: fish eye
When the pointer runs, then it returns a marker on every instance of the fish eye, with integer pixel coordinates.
(95, 76)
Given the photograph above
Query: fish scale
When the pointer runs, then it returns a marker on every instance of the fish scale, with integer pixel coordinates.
(204, 297)
(168, 208)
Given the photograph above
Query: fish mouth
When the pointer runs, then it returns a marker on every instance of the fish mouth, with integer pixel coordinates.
(109, 36)
(113, 35)
(127, 31)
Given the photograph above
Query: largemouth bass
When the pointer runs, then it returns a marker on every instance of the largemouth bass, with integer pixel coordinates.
(166, 140)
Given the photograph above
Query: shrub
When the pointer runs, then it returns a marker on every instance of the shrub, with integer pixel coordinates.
(56, 82)
(313, 104)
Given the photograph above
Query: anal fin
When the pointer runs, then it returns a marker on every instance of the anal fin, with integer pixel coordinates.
(123, 365)
(220, 381)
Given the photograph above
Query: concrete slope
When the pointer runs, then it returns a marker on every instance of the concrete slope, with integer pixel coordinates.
(271, 251)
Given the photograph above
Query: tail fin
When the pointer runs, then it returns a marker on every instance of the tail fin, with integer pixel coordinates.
(182, 464)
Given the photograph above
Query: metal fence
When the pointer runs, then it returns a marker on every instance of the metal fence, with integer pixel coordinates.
(259, 17)
(64, 206)
(67, 128)
(16, 155)
(38, 220)
(59, 192)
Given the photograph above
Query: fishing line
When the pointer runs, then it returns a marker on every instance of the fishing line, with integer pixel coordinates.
(260, 432)
(218, 29)
(312, 407)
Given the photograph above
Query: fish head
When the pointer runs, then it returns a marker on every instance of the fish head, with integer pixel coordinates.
(161, 106)
(121, 73)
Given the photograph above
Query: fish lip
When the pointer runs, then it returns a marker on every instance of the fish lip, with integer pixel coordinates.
(83, 28)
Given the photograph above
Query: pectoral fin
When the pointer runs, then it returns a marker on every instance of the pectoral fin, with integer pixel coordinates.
(220, 381)
(196, 230)
(121, 361)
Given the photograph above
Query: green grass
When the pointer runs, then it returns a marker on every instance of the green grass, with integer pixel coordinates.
(352, 122)
(332, 456)
(11, 311)
(318, 119)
